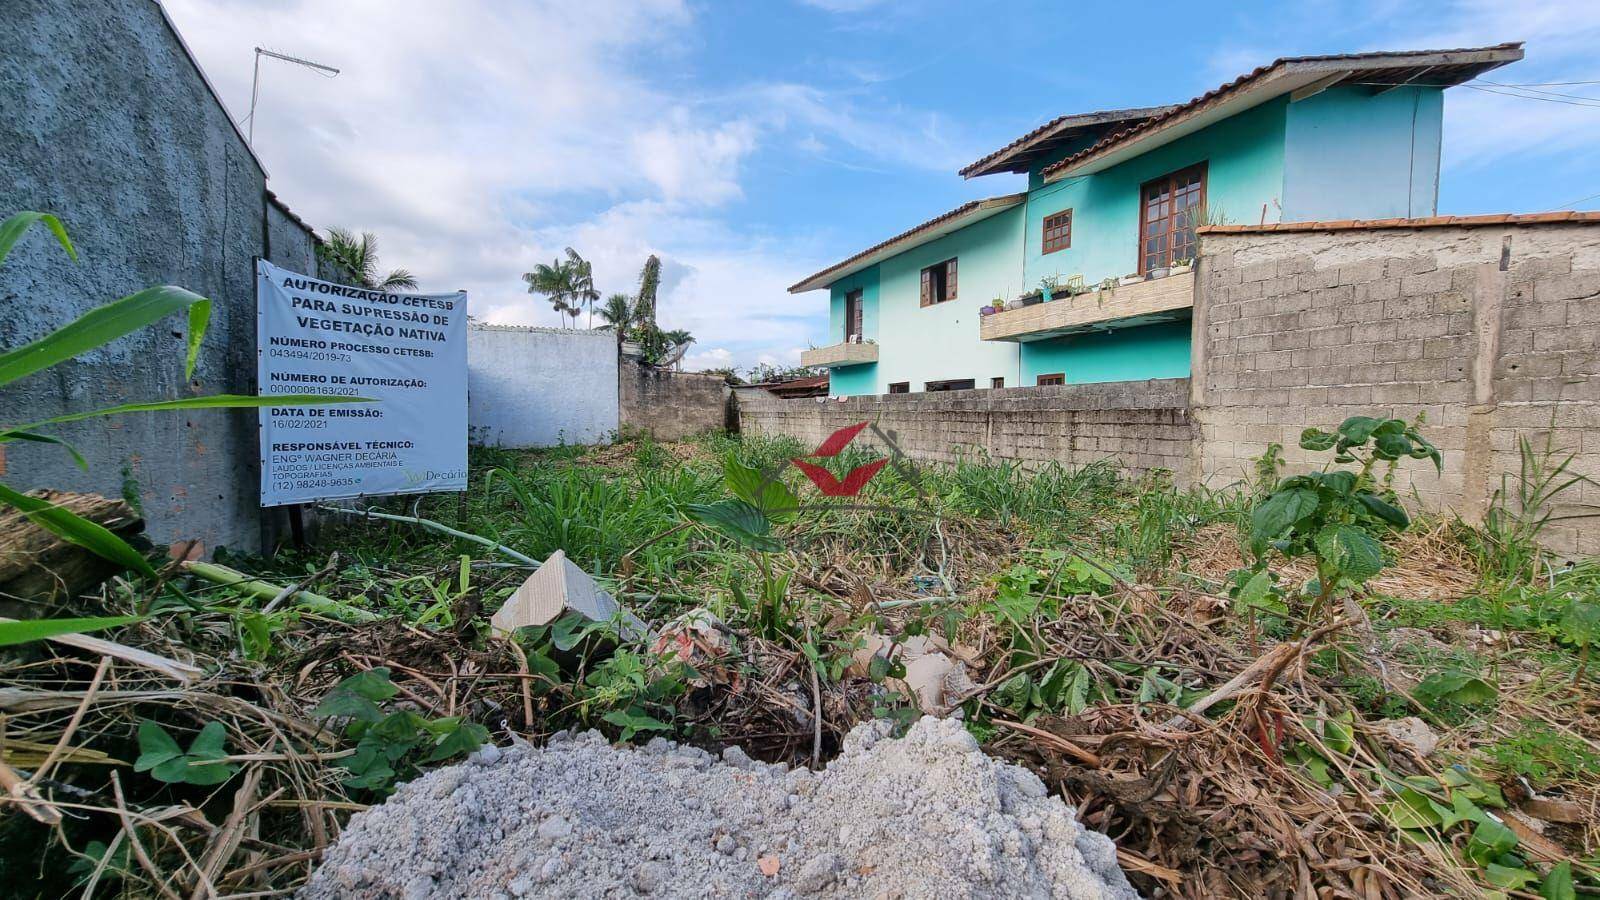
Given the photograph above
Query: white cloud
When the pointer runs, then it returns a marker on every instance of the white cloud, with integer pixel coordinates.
(480, 142)
(714, 358)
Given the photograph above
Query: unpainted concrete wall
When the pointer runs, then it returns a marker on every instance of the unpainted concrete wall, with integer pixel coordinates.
(1140, 425)
(672, 406)
(1491, 333)
(540, 387)
(107, 123)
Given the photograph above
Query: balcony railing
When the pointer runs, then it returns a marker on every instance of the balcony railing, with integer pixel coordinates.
(838, 355)
(1144, 302)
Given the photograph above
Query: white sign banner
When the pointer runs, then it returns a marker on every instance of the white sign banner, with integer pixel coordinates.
(408, 352)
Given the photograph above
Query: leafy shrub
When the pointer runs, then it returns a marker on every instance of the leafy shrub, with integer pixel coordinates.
(390, 746)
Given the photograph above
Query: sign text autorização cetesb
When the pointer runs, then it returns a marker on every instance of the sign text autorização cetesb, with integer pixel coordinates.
(407, 352)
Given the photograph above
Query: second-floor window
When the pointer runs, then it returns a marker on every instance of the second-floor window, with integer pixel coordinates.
(1169, 209)
(1056, 378)
(939, 282)
(1057, 232)
(852, 316)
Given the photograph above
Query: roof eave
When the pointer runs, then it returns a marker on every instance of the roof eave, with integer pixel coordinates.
(1012, 157)
(1253, 89)
(966, 214)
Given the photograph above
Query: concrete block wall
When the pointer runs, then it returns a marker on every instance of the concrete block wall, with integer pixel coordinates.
(1489, 333)
(1142, 425)
(672, 406)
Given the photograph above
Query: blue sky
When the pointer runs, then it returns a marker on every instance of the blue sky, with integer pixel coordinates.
(751, 143)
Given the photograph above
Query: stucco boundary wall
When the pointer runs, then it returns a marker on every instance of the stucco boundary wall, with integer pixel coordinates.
(1489, 331)
(1142, 425)
(540, 387)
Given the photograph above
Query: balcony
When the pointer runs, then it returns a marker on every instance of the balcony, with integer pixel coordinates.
(839, 355)
(1141, 303)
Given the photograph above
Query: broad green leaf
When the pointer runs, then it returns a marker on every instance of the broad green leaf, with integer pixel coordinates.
(1317, 440)
(1558, 884)
(95, 328)
(766, 493)
(1384, 510)
(1356, 554)
(1489, 841)
(373, 684)
(462, 738)
(1391, 446)
(632, 723)
(1356, 429)
(25, 630)
(213, 401)
(89, 535)
(1458, 687)
(1274, 515)
(156, 746)
(210, 742)
(1508, 877)
(1411, 809)
(1339, 481)
(13, 228)
(738, 520)
(207, 773)
(1339, 732)
(1581, 622)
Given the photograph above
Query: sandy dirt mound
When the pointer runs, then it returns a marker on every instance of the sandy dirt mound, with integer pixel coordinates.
(927, 815)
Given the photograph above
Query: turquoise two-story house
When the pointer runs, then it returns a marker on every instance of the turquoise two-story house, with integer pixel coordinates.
(1089, 268)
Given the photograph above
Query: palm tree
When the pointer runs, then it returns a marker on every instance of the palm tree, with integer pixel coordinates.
(555, 282)
(617, 313)
(584, 294)
(359, 256)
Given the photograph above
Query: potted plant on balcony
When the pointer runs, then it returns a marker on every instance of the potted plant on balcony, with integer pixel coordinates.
(1047, 290)
(993, 306)
(1180, 266)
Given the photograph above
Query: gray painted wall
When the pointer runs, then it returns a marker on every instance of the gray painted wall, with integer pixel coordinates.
(107, 123)
(540, 387)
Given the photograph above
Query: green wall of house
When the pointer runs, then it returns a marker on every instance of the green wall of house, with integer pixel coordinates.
(1129, 354)
(1353, 154)
(1343, 153)
(1244, 173)
(849, 381)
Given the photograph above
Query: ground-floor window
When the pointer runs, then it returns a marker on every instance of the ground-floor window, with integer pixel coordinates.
(957, 384)
(1053, 378)
(900, 387)
(997, 383)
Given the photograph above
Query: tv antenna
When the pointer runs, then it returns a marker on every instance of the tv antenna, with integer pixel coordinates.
(255, 82)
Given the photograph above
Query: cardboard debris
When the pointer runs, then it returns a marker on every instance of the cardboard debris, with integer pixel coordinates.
(936, 673)
(557, 587)
(700, 640)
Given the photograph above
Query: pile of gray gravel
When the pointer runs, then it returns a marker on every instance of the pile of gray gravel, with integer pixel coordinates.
(926, 815)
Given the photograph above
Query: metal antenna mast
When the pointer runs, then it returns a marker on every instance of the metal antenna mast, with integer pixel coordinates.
(255, 82)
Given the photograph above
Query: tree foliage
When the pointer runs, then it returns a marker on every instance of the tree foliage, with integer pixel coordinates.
(359, 257)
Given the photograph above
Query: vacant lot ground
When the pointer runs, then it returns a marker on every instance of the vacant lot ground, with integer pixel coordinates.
(1431, 731)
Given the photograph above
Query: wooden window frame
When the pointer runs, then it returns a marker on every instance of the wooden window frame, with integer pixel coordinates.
(943, 275)
(899, 387)
(966, 384)
(1060, 222)
(855, 320)
(1054, 378)
(997, 383)
(1167, 179)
